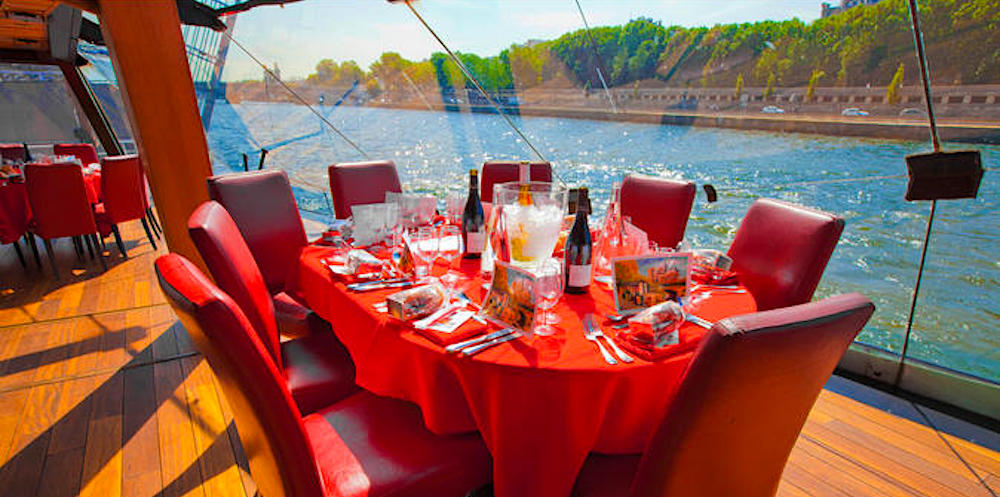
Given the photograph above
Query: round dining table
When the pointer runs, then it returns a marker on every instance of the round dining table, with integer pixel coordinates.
(541, 404)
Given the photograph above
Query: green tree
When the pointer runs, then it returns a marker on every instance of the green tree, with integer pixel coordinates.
(895, 86)
(769, 89)
(813, 81)
(739, 87)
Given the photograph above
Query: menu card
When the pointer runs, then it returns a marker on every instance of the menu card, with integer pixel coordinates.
(647, 280)
(510, 301)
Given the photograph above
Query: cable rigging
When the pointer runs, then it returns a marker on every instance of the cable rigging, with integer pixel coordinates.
(475, 82)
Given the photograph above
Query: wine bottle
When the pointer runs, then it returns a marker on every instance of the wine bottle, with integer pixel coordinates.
(578, 249)
(473, 220)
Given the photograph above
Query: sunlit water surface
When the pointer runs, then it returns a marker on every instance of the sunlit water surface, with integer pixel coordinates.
(958, 320)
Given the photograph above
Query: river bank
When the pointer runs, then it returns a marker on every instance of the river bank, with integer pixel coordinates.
(858, 126)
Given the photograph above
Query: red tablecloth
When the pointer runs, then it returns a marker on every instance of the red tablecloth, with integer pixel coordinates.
(92, 183)
(541, 404)
(14, 212)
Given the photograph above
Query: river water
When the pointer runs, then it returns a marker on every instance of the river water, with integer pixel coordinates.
(958, 320)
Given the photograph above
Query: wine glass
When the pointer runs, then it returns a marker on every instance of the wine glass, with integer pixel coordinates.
(548, 290)
(423, 247)
(449, 249)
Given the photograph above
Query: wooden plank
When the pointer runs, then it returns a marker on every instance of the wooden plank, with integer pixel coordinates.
(102, 463)
(890, 460)
(904, 434)
(11, 410)
(218, 465)
(61, 474)
(141, 451)
(69, 428)
(978, 456)
(843, 473)
(180, 470)
(234, 440)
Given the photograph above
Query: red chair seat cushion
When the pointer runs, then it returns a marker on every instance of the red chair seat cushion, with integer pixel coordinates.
(370, 446)
(606, 476)
(318, 370)
(294, 319)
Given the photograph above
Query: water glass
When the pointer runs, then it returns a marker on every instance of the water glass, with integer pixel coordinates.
(549, 286)
(449, 249)
(454, 205)
(424, 248)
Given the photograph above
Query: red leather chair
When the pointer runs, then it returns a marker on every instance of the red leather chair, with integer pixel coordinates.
(60, 207)
(15, 215)
(12, 151)
(123, 195)
(658, 206)
(781, 250)
(83, 151)
(362, 446)
(740, 406)
(317, 368)
(496, 171)
(358, 183)
(263, 206)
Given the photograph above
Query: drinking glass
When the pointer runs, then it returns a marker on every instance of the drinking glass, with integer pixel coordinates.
(449, 249)
(453, 207)
(548, 290)
(423, 247)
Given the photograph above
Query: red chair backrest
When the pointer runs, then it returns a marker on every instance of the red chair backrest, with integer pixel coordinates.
(264, 208)
(658, 206)
(122, 188)
(58, 200)
(282, 461)
(781, 250)
(496, 171)
(15, 213)
(744, 398)
(12, 151)
(228, 258)
(83, 151)
(358, 183)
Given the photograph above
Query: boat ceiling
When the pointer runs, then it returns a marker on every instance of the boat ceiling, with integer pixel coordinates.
(24, 24)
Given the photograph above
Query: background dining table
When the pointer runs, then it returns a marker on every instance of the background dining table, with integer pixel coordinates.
(541, 404)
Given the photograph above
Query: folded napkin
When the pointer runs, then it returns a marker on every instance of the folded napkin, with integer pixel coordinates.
(711, 276)
(689, 338)
(468, 330)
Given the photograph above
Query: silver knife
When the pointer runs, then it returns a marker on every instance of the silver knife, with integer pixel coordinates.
(704, 323)
(379, 286)
(455, 347)
(483, 346)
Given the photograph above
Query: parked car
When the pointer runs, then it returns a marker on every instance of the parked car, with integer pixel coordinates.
(912, 111)
(854, 111)
(773, 109)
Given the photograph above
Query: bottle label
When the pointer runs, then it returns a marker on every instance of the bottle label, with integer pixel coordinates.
(474, 241)
(579, 275)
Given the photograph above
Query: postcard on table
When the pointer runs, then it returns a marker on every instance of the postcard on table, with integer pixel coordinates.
(646, 280)
(511, 299)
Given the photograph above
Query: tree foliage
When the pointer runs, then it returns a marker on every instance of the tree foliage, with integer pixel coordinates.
(895, 86)
(862, 45)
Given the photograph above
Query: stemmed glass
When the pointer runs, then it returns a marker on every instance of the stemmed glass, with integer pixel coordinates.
(449, 248)
(548, 290)
(424, 248)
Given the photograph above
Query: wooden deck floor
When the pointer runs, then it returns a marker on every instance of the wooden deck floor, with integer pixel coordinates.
(101, 393)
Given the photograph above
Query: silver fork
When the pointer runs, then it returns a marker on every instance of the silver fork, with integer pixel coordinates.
(590, 334)
(598, 332)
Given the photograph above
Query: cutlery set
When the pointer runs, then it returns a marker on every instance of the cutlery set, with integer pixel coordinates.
(591, 330)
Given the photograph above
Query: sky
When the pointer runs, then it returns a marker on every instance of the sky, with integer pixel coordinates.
(298, 35)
